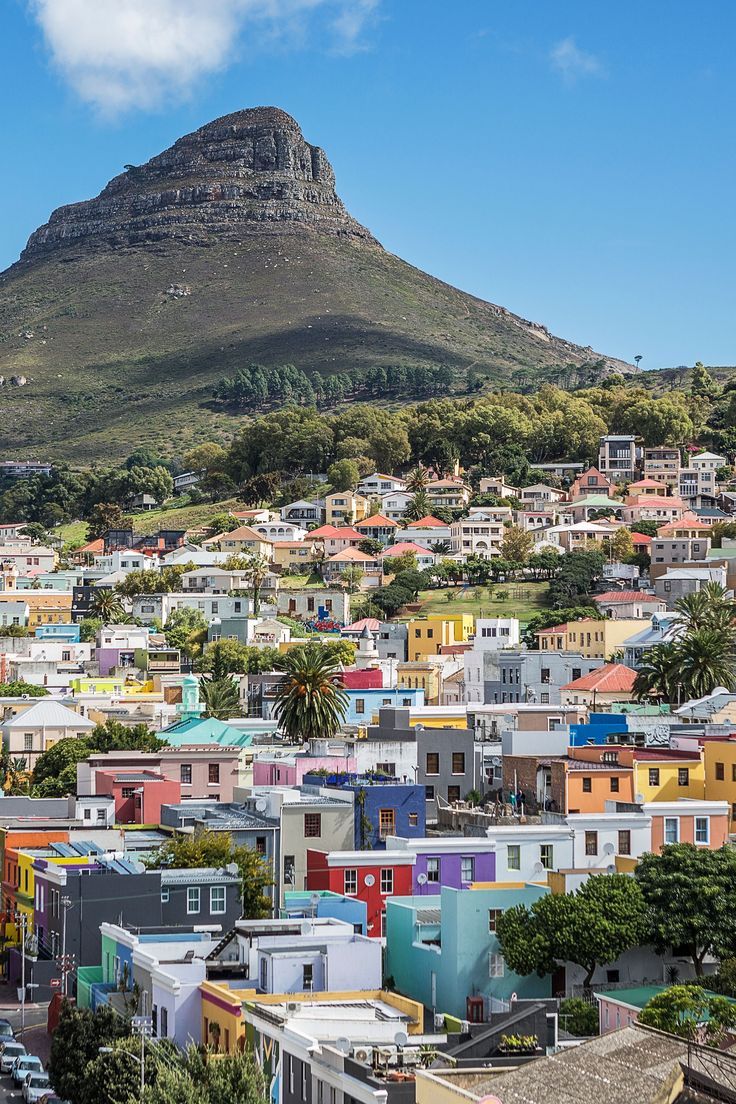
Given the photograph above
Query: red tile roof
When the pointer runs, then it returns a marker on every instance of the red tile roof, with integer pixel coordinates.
(402, 547)
(671, 501)
(689, 520)
(346, 532)
(611, 678)
(641, 538)
(625, 596)
(370, 623)
(376, 520)
(427, 522)
(369, 679)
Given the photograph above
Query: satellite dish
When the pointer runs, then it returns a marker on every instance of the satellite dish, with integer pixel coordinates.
(422, 879)
(401, 1038)
(370, 879)
(640, 799)
(343, 1044)
(496, 761)
(611, 869)
(538, 869)
(306, 927)
(261, 805)
(314, 900)
(608, 849)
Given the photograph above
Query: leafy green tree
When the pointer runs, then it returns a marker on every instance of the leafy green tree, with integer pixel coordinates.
(260, 489)
(577, 574)
(656, 676)
(419, 506)
(222, 523)
(37, 532)
(370, 546)
(186, 630)
(220, 697)
(595, 925)
(578, 1017)
(388, 600)
(704, 659)
(216, 849)
(104, 516)
(351, 578)
(516, 545)
(88, 628)
(21, 689)
(621, 544)
(702, 383)
(231, 657)
(156, 482)
(208, 458)
(256, 570)
(311, 699)
(398, 565)
(690, 895)
(343, 475)
(417, 479)
(689, 1011)
(707, 608)
(76, 1043)
(55, 772)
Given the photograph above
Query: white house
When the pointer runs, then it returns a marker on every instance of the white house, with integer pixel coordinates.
(280, 530)
(379, 484)
(526, 852)
(476, 537)
(491, 634)
(395, 504)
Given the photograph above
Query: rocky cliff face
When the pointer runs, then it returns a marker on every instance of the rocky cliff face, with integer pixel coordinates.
(249, 172)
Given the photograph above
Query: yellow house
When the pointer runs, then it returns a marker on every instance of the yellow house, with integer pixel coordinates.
(245, 540)
(664, 776)
(104, 685)
(421, 675)
(345, 508)
(25, 891)
(428, 634)
(719, 757)
(593, 639)
(225, 1011)
(288, 553)
(45, 607)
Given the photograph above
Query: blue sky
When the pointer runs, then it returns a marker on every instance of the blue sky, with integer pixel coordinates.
(573, 161)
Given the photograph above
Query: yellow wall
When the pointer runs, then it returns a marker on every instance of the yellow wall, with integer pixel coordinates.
(285, 557)
(669, 788)
(426, 635)
(454, 720)
(593, 639)
(424, 678)
(720, 789)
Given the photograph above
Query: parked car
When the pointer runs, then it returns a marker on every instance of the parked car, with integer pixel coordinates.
(6, 1029)
(52, 1098)
(35, 1086)
(25, 1064)
(9, 1051)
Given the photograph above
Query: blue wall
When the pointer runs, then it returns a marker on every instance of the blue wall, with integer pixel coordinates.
(372, 700)
(599, 727)
(408, 800)
(331, 906)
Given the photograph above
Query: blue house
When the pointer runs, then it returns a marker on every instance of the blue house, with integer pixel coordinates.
(324, 904)
(601, 728)
(382, 806)
(443, 951)
(64, 634)
(363, 705)
(190, 727)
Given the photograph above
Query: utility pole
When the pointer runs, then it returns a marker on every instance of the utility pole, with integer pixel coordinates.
(66, 904)
(143, 1026)
(20, 917)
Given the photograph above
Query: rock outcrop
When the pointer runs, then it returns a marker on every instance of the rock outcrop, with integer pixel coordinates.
(249, 172)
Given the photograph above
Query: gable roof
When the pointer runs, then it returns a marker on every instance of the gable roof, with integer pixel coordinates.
(376, 520)
(611, 678)
(243, 533)
(648, 483)
(51, 714)
(674, 502)
(689, 520)
(346, 532)
(427, 522)
(625, 596)
(404, 546)
(354, 555)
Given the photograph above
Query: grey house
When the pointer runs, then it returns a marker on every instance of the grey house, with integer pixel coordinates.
(393, 641)
(535, 677)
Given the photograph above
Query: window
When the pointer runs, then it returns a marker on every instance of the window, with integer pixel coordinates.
(720, 772)
(544, 674)
(128, 791)
(164, 1027)
(624, 842)
(214, 772)
(433, 762)
(591, 843)
(429, 793)
(496, 965)
(654, 776)
(733, 772)
(453, 793)
(613, 976)
(193, 895)
(312, 825)
(702, 829)
(544, 699)
(546, 855)
(164, 895)
(413, 820)
(185, 774)
(467, 869)
(387, 880)
(386, 822)
(102, 815)
(683, 776)
(217, 899)
(671, 829)
(360, 705)
(307, 975)
(350, 882)
(87, 814)
(458, 762)
(28, 741)
(513, 856)
(587, 785)
(614, 785)
(433, 870)
(493, 915)
(261, 845)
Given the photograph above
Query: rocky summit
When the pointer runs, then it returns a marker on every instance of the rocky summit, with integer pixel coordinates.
(229, 248)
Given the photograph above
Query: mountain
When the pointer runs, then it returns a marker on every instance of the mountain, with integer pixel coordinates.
(231, 247)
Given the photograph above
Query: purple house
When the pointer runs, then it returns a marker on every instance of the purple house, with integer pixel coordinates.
(455, 861)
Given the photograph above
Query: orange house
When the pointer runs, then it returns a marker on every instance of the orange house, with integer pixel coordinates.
(703, 823)
(13, 840)
(596, 775)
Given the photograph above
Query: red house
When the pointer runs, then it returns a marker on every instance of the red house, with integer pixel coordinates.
(138, 795)
(371, 876)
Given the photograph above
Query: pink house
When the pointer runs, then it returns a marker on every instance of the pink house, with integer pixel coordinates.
(704, 823)
(289, 770)
(138, 794)
(201, 771)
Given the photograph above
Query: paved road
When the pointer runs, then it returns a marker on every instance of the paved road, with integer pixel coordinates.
(35, 1026)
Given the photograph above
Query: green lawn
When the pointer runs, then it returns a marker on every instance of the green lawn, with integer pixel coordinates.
(523, 600)
(174, 517)
(296, 582)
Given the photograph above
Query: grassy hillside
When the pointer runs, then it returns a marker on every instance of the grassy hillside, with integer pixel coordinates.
(114, 361)
(181, 517)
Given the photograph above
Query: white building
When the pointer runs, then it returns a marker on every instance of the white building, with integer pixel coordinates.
(476, 537)
(491, 634)
(379, 484)
(526, 852)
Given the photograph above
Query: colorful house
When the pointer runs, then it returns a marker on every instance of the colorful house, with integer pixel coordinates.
(370, 877)
(138, 795)
(382, 807)
(428, 634)
(606, 685)
(445, 953)
(455, 861)
(591, 638)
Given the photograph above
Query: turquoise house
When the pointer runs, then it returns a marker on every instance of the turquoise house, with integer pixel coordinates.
(191, 727)
(443, 951)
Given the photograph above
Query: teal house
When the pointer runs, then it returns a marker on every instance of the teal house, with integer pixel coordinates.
(191, 727)
(443, 950)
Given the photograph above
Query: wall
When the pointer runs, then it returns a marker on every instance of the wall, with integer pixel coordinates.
(338, 833)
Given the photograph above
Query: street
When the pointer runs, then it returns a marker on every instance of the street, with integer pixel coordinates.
(36, 1041)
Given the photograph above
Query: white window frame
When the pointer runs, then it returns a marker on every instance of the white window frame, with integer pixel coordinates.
(350, 879)
(387, 880)
(676, 822)
(463, 860)
(702, 820)
(496, 965)
(219, 900)
(190, 891)
(516, 849)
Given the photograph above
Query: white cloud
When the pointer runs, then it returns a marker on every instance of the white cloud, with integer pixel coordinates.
(121, 54)
(572, 62)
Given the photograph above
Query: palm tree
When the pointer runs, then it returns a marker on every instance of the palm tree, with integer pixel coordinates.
(417, 479)
(256, 570)
(311, 700)
(106, 605)
(708, 608)
(656, 675)
(704, 659)
(419, 506)
(441, 548)
(220, 697)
